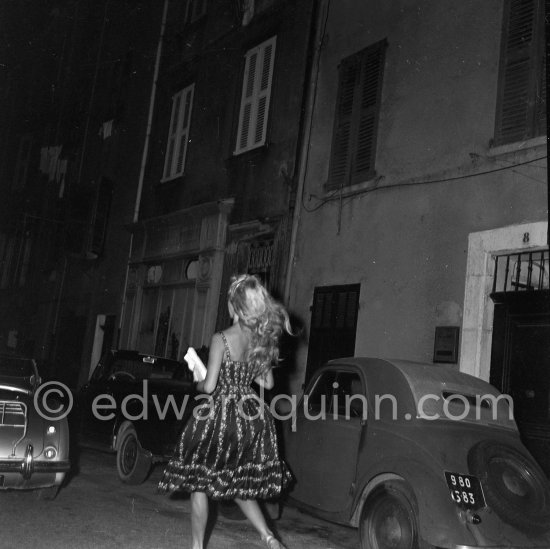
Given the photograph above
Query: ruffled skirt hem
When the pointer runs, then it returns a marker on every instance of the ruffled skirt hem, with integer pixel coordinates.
(264, 481)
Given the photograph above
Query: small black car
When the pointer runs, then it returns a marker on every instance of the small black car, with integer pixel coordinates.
(135, 405)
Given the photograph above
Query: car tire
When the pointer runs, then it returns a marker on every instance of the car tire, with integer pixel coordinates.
(513, 484)
(389, 518)
(47, 494)
(133, 463)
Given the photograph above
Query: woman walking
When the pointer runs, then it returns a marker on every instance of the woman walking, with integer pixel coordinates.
(228, 450)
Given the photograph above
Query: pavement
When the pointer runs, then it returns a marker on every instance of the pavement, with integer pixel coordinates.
(95, 511)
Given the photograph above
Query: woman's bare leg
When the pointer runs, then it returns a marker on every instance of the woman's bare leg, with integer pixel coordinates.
(199, 517)
(254, 514)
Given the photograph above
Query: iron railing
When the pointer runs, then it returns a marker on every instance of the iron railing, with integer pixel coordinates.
(521, 272)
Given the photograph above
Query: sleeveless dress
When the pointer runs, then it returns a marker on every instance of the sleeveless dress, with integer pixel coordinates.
(228, 448)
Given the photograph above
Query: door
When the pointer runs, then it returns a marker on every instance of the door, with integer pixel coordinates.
(328, 432)
(333, 325)
(520, 365)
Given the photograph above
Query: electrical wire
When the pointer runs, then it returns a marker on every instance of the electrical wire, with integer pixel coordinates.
(336, 193)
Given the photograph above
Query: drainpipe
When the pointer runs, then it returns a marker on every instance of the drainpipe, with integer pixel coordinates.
(144, 154)
(322, 17)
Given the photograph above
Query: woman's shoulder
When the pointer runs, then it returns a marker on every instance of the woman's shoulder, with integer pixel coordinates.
(236, 341)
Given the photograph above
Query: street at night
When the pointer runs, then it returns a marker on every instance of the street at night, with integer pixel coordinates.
(95, 510)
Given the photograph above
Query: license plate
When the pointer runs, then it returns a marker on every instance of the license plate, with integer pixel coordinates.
(465, 490)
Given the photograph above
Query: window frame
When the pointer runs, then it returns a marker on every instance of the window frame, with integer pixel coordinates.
(355, 131)
(522, 71)
(7, 253)
(256, 88)
(22, 165)
(181, 115)
(195, 10)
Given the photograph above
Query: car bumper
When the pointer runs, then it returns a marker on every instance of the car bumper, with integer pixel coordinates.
(27, 469)
(28, 465)
(499, 547)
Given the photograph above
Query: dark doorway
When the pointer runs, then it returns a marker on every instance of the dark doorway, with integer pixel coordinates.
(333, 325)
(68, 349)
(520, 364)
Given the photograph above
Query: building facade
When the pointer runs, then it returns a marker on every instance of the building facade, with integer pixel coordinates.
(422, 225)
(153, 147)
(219, 186)
(74, 125)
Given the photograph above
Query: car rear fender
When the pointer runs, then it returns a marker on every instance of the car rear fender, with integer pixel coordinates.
(433, 506)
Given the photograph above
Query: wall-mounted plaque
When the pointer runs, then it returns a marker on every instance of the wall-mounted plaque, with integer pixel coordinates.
(446, 344)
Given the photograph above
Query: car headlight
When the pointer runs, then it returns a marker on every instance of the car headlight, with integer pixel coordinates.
(50, 452)
(51, 430)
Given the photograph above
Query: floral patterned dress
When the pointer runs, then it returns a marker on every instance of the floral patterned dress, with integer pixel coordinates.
(228, 448)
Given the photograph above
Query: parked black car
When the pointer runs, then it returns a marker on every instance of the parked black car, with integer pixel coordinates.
(34, 434)
(135, 405)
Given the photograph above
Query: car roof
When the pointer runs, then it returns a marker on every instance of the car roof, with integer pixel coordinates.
(425, 386)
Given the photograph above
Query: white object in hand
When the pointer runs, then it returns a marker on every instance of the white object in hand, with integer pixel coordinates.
(195, 364)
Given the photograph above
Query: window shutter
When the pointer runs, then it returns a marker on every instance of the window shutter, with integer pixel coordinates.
(522, 103)
(178, 135)
(101, 216)
(7, 263)
(333, 324)
(540, 95)
(20, 176)
(349, 76)
(256, 96)
(264, 94)
(199, 9)
(248, 98)
(357, 111)
(194, 10)
(176, 104)
(372, 66)
(184, 129)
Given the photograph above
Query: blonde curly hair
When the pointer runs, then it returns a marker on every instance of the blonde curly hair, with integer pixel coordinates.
(265, 317)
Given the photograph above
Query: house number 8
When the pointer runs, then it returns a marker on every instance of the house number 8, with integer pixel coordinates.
(525, 238)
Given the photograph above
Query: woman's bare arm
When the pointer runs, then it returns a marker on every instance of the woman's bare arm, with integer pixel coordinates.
(215, 357)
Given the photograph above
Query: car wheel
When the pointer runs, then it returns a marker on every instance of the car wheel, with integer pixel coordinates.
(47, 494)
(133, 464)
(514, 485)
(389, 519)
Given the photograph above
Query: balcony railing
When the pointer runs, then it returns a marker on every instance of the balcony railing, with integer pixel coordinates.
(521, 272)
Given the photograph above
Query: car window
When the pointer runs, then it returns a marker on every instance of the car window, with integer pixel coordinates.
(338, 393)
(319, 398)
(16, 367)
(348, 395)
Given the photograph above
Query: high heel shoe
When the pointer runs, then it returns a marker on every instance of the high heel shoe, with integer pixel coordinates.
(271, 542)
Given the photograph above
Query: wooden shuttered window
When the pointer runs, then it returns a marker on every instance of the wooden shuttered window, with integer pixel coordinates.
(333, 324)
(195, 10)
(178, 134)
(521, 105)
(356, 120)
(23, 159)
(100, 219)
(256, 96)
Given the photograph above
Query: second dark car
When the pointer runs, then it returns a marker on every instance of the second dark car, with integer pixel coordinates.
(135, 405)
